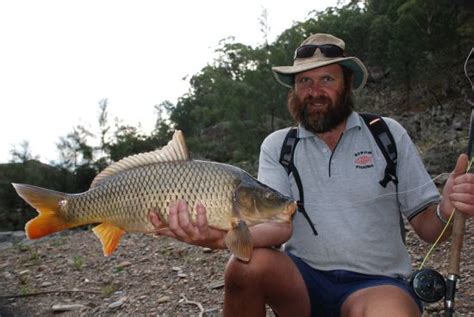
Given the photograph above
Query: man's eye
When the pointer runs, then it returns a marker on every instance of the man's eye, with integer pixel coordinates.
(328, 78)
(305, 81)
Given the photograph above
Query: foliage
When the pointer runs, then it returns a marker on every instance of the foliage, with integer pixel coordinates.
(22, 153)
(234, 101)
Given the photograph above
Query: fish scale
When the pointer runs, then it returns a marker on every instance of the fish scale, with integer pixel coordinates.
(155, 187)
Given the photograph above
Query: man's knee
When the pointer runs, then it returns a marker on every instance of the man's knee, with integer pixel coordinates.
(239, 274)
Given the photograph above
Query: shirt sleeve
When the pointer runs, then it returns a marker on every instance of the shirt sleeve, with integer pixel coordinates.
(416, 189)
(270, 171)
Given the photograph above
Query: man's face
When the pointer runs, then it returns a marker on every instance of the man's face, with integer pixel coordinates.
(319, 102)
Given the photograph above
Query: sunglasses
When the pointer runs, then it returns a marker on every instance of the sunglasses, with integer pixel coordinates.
(328, 50)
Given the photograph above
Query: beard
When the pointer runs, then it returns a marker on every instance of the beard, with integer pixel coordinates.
(320, 114)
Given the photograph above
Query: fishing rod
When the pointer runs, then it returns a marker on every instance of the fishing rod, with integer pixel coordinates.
(459, 218)
(428, 284)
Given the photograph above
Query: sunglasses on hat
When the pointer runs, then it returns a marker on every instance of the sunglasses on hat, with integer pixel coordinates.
(328, 50)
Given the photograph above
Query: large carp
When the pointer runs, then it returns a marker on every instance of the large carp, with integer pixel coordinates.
(122, 195)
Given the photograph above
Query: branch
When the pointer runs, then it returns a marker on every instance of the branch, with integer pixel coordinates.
(186, 301)
(51, 292)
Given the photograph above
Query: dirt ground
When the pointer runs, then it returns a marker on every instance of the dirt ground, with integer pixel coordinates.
(67, 275)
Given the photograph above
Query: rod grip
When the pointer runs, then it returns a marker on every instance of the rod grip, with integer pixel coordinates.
(457, 238)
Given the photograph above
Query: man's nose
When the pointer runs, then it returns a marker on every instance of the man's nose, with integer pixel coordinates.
(315, 90)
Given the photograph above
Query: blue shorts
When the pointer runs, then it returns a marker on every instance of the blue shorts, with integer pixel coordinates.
(329, 289)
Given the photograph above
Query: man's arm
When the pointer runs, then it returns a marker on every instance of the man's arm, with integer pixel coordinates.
(182, 228)
(427, 225)
(458, 193)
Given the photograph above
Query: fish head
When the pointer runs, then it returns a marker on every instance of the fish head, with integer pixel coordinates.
(257, 203)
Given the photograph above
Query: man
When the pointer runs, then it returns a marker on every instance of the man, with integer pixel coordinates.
(357, 264)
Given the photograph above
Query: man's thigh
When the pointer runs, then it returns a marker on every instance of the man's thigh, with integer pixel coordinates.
(271, 276)
(287, 289)
(383, 300)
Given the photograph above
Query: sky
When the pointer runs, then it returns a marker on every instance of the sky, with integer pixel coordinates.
(59, 58)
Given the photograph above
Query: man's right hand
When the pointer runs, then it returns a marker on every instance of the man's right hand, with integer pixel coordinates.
(181, 227)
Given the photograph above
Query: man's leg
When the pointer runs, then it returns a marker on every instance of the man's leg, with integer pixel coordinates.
(270, 277)
(384, 300)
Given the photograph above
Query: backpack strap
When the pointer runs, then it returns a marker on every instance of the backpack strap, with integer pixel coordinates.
(384, 138)
(386, 143)
(286, 159)
(288, 149)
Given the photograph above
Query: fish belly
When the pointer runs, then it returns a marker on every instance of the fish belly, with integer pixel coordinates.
(126, 199)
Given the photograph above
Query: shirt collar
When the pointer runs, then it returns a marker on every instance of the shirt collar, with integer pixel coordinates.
(353, 121)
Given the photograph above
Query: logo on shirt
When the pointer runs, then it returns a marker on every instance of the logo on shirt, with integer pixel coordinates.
(363, 159)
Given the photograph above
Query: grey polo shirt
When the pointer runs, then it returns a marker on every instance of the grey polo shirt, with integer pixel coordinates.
(358, 221)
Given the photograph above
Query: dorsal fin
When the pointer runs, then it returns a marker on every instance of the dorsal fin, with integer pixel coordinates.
(175, 151)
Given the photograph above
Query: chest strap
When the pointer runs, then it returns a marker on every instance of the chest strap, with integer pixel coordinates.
(384, 139)
(286, 159)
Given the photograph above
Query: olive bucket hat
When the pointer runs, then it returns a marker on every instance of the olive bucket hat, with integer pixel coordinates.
(320, 50)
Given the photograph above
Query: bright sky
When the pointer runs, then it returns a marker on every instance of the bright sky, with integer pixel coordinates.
(59, 58)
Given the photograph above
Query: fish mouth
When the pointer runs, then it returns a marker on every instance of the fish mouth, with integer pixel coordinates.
(291, 208)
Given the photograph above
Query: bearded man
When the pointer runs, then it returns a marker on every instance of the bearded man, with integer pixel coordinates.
(343, 254)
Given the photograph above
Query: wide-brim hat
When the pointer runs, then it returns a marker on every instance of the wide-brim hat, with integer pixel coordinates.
(285, 75)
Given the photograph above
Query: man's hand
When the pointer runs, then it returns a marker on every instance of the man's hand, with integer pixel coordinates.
(459, 190)
(181, 227)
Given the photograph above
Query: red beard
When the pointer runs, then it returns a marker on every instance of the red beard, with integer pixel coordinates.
(320, 114)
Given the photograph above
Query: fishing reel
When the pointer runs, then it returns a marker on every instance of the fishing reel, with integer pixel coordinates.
(428, 285)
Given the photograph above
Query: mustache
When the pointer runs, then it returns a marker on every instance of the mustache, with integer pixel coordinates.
(318, 99)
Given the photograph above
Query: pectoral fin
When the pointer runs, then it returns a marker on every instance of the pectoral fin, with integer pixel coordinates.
(109, 236)
(239, 241)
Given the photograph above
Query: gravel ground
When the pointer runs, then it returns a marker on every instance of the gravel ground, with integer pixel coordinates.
(67, 275)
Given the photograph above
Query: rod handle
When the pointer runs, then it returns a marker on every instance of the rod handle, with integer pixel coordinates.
(457, 238)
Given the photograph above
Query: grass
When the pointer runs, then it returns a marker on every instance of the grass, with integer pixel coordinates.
(107, 290)
(59, 241)
(77, 262)
(25, 290)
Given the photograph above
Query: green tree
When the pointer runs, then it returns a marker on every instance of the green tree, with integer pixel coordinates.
(74, 149)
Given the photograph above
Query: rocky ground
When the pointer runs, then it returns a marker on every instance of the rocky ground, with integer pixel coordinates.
(67, 275)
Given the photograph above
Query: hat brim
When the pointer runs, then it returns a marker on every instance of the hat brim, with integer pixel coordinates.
(285, 75)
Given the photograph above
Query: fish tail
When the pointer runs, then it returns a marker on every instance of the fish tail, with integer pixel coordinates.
(47, 204)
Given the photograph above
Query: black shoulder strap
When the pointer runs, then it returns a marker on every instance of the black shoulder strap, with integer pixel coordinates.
(385, 141)
(384, 138)
(288, 149)
(286, 159)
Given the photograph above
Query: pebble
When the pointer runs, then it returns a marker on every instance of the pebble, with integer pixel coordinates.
(124, 264)
(7, 275)
(118, 303)
(46, 284)
(24, 272)
(18, 236)
(163, 299)
(66, 307)
(5, 235)
(5, 245)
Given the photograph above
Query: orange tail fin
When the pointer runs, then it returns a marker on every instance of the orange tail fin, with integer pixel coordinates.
(47, 203)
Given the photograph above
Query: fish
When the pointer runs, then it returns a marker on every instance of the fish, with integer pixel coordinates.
(121, 197)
